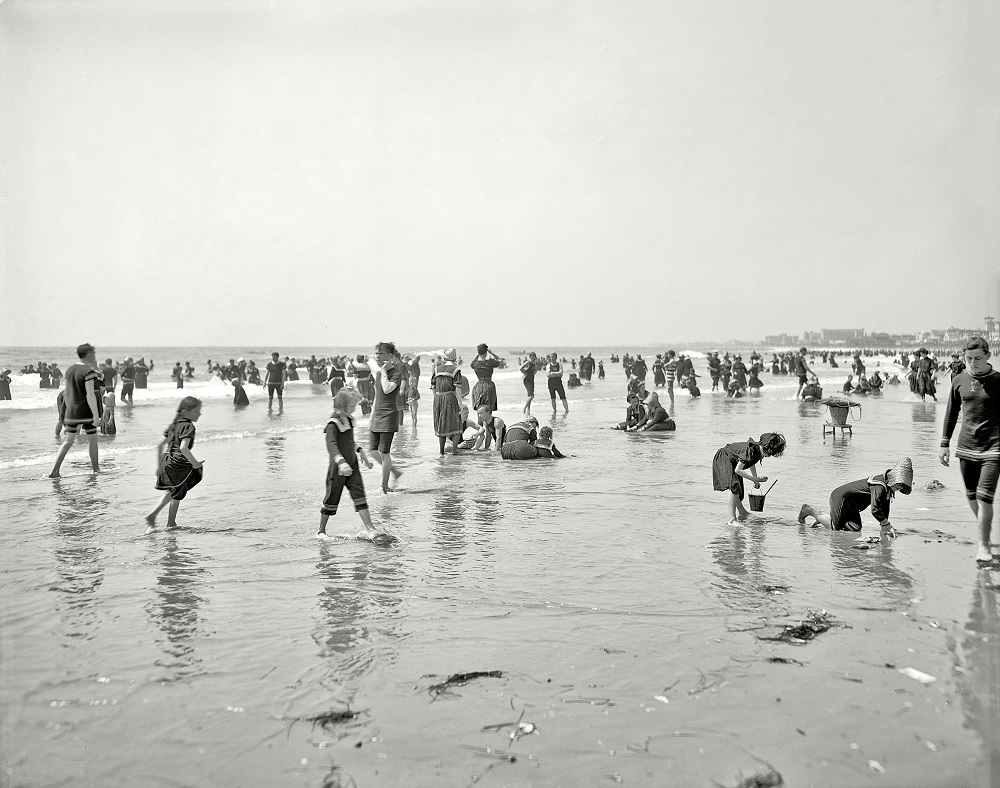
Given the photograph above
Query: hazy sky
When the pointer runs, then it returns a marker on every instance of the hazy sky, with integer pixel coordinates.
(521, 173)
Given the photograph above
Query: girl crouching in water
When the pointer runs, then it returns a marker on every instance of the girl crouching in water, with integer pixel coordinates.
(178, 470)
(343, 471)
(738, 461)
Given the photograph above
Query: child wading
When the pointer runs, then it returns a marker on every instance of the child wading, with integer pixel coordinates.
(849, 500)
(343, 471)
(737, 461)
(178, 470)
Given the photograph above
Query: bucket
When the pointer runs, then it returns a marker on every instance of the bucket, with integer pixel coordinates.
(757, 498)
(839, 413)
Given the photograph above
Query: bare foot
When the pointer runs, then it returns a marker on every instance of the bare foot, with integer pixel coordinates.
(803, 513)
(150, 523)
(983, 555)
(322, 535)
(54, 474)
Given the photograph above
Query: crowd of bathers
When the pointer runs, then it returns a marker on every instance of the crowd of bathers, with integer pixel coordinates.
(388, 383)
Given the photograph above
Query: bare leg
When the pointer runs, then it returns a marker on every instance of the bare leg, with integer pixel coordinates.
(736, 510)
(323, 520)
(151, 517)
(366, 518)
(984, 514)
(413, 413)
(553, 406)
(565, 403)
(527, 405)
(385, 460)
(63, 451)
(93, 453)
(441, 441)
(487, 437)
(172, 513)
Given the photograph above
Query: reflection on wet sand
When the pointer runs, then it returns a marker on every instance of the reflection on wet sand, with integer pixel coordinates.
(977, 668)
(174, 609)
(871, 568)
(448, 523)
(274, 454)
(79, 556)
(359, 602)
(739, 554)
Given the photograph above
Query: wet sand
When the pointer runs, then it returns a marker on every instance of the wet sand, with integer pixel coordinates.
(623, 612)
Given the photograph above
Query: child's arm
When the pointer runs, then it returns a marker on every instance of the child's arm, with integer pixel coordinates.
(363, 455)
(186, 451)
(750, 473)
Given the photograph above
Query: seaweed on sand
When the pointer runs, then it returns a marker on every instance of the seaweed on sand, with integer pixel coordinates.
(328, 719)
(459, 679)
(812, 625)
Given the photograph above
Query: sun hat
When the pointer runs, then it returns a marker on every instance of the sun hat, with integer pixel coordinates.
(450, 354)
(901, 473)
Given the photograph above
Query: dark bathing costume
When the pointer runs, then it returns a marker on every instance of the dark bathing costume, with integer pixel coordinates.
(849, 500)
(978, 449)
(385, 415)
(175, 473)
(340, 430)
(724, 476)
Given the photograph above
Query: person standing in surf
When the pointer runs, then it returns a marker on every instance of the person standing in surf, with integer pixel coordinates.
(555, 374)
(446, 382)
(803, 370)
(83, 406)
(177, 470)
(738, 461)
(976, 394)
(277, 374)
(484, 393)
(385, 414)
(528, 370)
(128, 381)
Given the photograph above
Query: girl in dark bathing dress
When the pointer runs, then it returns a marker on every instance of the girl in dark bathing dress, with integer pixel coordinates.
(738, 461)
(849, 500)
(178, 470)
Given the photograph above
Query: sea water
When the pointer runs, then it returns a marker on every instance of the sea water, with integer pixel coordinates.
(623, 612)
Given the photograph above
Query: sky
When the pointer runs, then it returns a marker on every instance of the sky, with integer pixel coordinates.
(449, 172)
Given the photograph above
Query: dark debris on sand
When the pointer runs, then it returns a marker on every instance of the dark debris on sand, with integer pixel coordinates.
(766, 779)
(812, 625)
(459, 679)
(328, 719)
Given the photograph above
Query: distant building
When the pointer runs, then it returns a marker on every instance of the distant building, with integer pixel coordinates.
(842, 334)
(992, 329)
(781, 339)
(812, 337)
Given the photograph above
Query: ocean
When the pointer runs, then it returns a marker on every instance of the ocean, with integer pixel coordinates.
(587, 621)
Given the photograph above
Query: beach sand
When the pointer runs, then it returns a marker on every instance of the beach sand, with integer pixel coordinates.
(624, 614)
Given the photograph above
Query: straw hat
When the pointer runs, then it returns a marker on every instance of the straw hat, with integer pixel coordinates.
(450, 354)
(901, 473)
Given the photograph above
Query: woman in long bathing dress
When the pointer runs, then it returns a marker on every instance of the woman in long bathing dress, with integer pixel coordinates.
(446, 381)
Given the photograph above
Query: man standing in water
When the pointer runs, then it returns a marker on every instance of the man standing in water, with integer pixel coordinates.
(385, 415)
(803, 370)
(83, 409)
(277, 374)
(128, 380)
